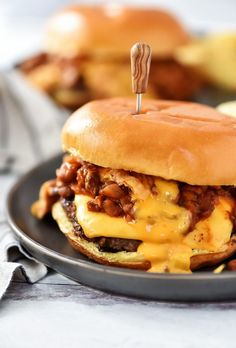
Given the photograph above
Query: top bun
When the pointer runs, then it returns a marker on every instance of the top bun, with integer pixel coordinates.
(182, 141)
(111, 30)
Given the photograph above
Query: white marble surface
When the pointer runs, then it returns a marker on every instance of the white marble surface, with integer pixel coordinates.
(70, 315)
(58, 313)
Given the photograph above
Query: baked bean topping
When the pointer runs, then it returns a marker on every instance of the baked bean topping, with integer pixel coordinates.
(112, 190)
(65, 191)
(111, 194)
(111, 208)
(67, 172)
(92, 206)
(199, 200)
(79, 177)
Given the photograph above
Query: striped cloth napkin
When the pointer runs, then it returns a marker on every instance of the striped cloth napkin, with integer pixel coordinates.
(30, 125)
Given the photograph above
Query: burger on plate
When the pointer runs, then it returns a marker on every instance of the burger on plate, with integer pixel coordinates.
(86, 54)
(152, 191)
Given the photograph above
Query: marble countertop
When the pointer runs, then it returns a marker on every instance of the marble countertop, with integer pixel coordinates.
(57, 312)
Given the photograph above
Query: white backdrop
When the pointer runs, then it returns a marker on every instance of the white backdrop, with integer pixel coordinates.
(22, 21)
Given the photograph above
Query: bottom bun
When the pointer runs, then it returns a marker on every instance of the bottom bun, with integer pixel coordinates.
(119, 259)
(132, 260)
(212, 259)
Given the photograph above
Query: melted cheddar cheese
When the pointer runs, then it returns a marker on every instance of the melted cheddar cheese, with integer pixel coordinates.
(162, 227)
(212, 233)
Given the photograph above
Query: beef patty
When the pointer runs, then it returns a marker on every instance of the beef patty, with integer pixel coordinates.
(104, 243)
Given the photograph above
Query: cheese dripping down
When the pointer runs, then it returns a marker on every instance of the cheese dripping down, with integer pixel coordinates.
(162, 227)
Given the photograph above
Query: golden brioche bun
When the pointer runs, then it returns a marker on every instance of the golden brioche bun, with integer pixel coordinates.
(182, 141)
(130, 259)
(110, 31)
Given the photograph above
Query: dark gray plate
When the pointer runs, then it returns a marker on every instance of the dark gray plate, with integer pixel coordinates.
(46, 243)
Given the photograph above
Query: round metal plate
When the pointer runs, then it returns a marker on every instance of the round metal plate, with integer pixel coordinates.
(46, 243)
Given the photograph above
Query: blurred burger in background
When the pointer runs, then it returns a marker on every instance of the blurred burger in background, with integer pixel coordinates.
(214, 57)
(86, 54)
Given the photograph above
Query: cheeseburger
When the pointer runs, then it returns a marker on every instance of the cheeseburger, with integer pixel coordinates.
(86, 54)
(152, 191)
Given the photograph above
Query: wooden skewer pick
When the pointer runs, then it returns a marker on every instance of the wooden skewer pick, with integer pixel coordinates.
(140, 56)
